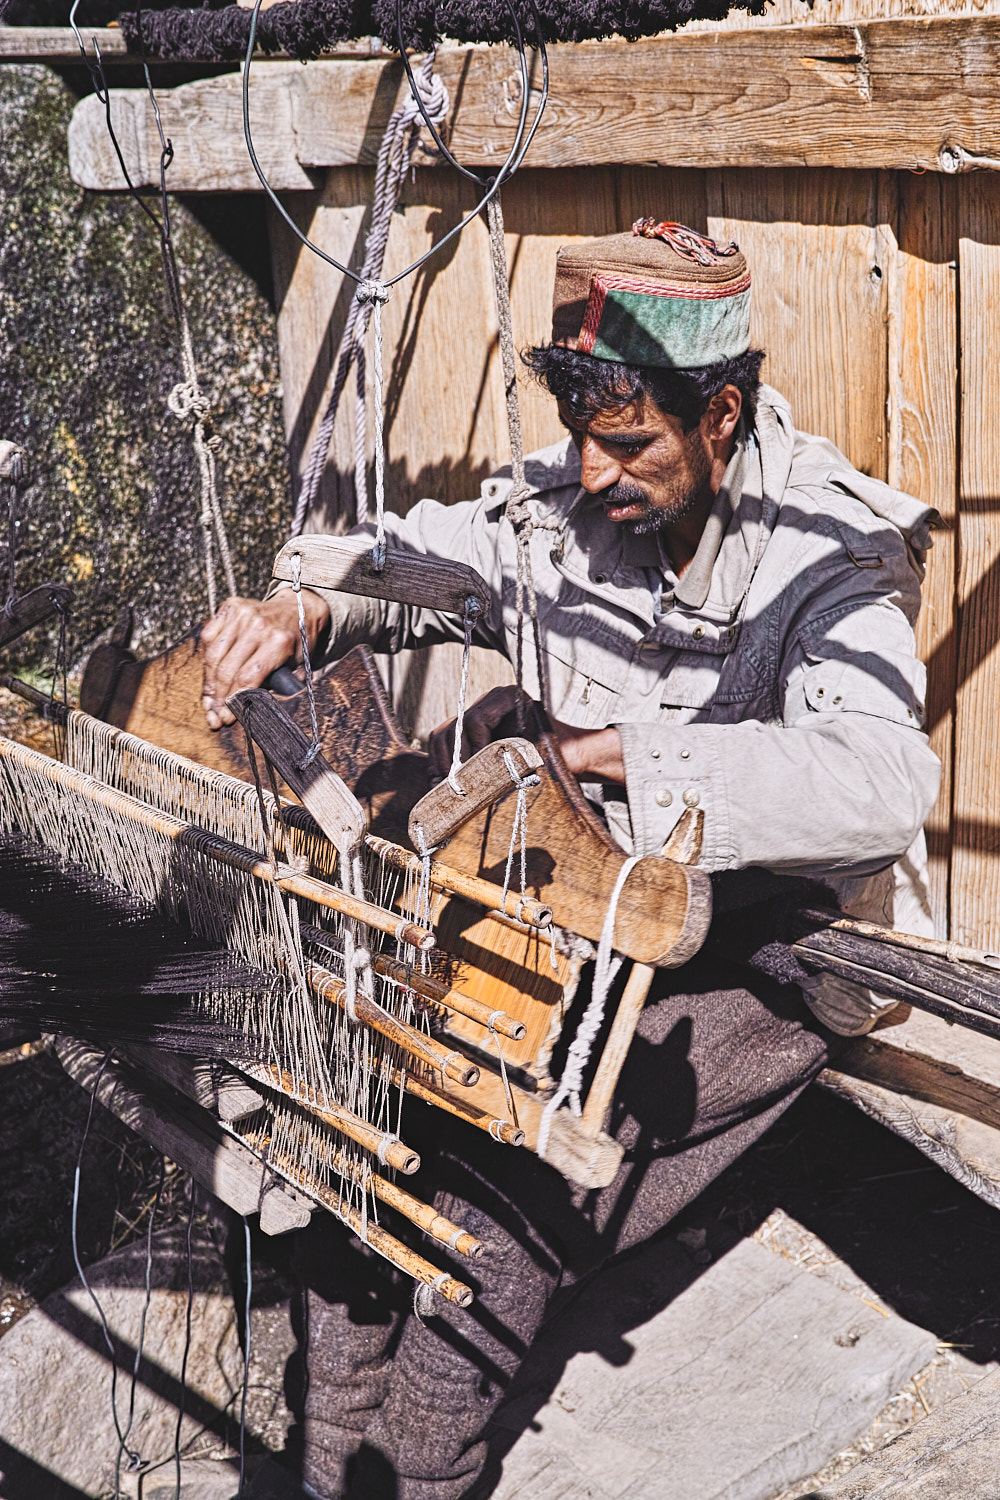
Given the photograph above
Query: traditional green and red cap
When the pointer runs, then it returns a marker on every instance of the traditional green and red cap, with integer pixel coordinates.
(660, 295)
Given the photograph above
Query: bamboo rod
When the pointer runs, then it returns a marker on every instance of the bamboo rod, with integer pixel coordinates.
(214, 847)
(470, 887)
(393, 1250)
(443, 994)
(388, 1148)
(450, 1061)
(428, 987)
(419, 1213)
(500, 1130)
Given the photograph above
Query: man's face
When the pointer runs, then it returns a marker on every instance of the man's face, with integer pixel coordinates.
(647, 471)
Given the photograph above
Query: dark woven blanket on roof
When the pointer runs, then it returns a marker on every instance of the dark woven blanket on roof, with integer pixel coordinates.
(307, 27)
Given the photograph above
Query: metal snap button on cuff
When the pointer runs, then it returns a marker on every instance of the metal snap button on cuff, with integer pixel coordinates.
(691, 797)
(685, 755)
(698, 632)
(654, 754)
(663, 797)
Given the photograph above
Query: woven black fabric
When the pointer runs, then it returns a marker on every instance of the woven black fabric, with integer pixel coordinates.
(305, 28)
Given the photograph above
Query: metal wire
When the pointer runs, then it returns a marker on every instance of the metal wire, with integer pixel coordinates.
(510, 165)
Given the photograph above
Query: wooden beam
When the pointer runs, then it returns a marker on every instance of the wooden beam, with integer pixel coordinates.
(57, 45)
(913, 92)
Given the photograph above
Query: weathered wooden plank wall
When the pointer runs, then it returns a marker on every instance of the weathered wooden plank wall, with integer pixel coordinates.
(876, 296)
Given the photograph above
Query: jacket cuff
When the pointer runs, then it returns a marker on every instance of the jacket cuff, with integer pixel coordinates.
(668, 769)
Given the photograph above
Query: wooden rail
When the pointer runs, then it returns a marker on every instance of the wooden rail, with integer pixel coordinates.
(914, 92)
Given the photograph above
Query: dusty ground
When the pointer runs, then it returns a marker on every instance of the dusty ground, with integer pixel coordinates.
(867, 1210)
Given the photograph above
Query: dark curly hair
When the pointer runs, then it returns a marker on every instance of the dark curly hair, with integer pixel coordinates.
(586, 386)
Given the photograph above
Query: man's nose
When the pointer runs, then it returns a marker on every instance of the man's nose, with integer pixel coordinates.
(598, 470)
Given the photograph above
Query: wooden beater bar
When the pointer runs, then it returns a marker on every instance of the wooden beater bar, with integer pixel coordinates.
(219, 849)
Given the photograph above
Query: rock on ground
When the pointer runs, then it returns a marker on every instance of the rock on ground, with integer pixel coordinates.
(56, 1424)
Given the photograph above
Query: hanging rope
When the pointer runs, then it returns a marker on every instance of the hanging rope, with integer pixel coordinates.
(606, 967)
(395, 158)
(516, 509)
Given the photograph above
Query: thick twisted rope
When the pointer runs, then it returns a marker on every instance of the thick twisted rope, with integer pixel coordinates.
(394, 160)
(606, 967)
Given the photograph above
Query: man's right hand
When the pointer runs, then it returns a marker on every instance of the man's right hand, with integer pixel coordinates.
(248, 638)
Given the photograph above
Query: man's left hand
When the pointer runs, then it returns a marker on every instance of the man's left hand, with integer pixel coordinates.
(590, 754)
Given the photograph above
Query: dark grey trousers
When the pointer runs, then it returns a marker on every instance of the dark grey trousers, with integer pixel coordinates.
(392, 1409)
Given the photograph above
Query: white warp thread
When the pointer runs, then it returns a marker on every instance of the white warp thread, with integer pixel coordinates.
(606, 967)
(469, 618)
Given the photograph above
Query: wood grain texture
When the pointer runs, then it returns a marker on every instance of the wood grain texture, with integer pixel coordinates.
(923, 367)
(975, 867)
(346, 565)
(907, 92)
(929, 1059)
(815, 243)
(480, 780)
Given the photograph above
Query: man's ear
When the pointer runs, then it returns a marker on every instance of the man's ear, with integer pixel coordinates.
(723, 412)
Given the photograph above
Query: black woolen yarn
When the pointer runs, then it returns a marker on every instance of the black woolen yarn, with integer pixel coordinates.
(304, 29)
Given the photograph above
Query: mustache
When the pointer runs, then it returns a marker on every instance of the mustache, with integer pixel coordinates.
(624, 493)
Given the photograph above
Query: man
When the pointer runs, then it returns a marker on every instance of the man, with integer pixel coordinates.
(726, 612)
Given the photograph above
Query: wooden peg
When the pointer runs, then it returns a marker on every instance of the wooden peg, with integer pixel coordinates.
(684, 842)
(344, 563)
(483, 778)
(335, 808)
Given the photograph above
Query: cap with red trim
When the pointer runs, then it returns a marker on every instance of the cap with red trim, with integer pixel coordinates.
(659, 295)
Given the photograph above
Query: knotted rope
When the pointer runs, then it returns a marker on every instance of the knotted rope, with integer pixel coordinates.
(395, 157)
(606, 967)
(516, 510)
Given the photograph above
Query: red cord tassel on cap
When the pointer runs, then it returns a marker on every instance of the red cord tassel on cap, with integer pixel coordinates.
(684, 240)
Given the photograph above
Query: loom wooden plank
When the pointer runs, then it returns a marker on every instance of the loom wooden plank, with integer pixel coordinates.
(975, 862)
(482, 779)
(345, 564)
(928, 1059)
(33, 609)
(834, 378)
(182, 1131)
(335, 808)
(204, 120)
(58, 44)
(923, 454)
(952, 1452)
(908, 92)
(208, 1082)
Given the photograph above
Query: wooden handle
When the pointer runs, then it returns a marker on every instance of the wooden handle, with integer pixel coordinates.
(318, 787)
(344, 563)
(482, 779)
(616, 1048)
(32, 609)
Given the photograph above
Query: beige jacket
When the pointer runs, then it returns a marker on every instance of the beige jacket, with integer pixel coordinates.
(775, 685)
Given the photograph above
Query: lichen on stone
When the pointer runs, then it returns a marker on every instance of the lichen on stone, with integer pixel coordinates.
(88, 356)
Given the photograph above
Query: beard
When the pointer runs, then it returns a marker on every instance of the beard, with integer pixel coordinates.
(679, 494)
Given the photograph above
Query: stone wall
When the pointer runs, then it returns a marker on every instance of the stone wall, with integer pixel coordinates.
(88, 356)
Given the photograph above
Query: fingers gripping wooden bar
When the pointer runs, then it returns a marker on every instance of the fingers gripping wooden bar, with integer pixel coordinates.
(481, 779)
(216, 848)
(447, 1059)
(344, 563)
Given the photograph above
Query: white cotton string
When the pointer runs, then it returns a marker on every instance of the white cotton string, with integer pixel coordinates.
(377, 293)
(511, 1106)
(606, 967)
(314, 747)
(422, 904)
(518, 833)
(469, 618)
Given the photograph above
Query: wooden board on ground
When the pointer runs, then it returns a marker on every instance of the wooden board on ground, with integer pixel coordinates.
(661, 1381)
(951, 1455)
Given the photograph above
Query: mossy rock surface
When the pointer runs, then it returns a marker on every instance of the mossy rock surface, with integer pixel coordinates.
(88, 357)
